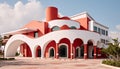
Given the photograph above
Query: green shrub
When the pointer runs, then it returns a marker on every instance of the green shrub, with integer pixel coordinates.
(111, 62)
(7, 58)
(17, 54)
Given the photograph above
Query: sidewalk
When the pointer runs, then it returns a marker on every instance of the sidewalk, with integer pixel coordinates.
(37, 63)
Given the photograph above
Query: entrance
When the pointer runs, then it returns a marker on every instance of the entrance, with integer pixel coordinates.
(63, 51)
(80, 52)
(77, 52)
(51, 52)
(39, 52)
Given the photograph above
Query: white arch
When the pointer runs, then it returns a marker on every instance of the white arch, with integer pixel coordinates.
(41, 41)
(13, 44)
(50, 49)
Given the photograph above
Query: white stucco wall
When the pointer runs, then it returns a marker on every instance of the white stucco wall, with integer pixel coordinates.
(15, 41)
(60, 23)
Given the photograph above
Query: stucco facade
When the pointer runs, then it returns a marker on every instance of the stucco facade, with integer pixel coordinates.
(78, 36)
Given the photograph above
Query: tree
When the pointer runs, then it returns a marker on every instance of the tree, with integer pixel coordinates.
(113, 50)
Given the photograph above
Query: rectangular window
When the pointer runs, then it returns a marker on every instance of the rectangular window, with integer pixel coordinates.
(99, 30)
(103, 41)
(95, 28)
(35, 34)
(106, 33)
(103, 32)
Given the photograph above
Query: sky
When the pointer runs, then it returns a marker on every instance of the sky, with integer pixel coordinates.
(16, 13)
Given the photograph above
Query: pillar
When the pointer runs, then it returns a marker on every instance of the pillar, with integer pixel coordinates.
(71, 49)
(42, 52)
(85, 51)
(95, 52)
(57, 54)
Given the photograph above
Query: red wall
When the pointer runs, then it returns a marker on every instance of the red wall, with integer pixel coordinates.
(84, 23)
(25, 50)
(42, 28)
(50, 44)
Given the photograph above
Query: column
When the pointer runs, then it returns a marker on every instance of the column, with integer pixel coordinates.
(95, 47)
(71, 49)
(85, 51)
(42, 52)
(57, 54)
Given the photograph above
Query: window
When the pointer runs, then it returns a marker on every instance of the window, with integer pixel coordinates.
(103, 41)
(99, 30)
(55, 28)
(106, 33)
(95, 28)
(103, 32)
(73, 27)
(35, 34)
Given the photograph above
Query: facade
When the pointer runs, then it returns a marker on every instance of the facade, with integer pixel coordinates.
(78, 36)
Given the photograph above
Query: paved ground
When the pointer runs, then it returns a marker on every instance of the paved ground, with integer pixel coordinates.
(37, 63)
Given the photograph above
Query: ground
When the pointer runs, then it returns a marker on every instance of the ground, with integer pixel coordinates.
(37, 63)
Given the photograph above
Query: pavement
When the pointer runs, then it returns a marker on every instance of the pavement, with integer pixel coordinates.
(49, 63)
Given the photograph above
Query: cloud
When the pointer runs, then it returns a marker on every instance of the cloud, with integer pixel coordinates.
(118, 27)
(12, 18)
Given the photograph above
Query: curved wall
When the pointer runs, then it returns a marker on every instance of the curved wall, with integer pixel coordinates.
(60, 23)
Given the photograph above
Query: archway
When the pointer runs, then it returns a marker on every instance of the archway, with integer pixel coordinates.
(64, 44)
(12, 46)
(90, 49)
(47, 49)
(63, 51)
(25, 50)
(77, 52)
(38, 51)
(79, 48)
(51, 52)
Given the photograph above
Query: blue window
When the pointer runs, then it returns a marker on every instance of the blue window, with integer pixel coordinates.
(95, 28)
(106, 33)
(73, 27)
(55, 28)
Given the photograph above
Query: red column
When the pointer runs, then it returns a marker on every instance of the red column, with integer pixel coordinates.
(85, 51)
(57, 54)
(71, 48)
(95, 52)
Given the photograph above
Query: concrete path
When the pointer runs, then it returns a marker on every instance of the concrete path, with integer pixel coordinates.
(37, 63)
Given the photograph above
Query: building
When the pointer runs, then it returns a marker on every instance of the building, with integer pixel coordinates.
(78, 36)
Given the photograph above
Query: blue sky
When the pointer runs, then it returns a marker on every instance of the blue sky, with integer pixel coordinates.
(106, 12)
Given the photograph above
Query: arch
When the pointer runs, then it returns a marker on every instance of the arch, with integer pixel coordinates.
(46, 48)
(66, 42)
(79, 47)
(64, 27)
(63, 50)
(38, 51)
(77, 55)
(73, 27)
(78, 42)
(90, 48)
(55, 28)
(51, 52)
(12, 47)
